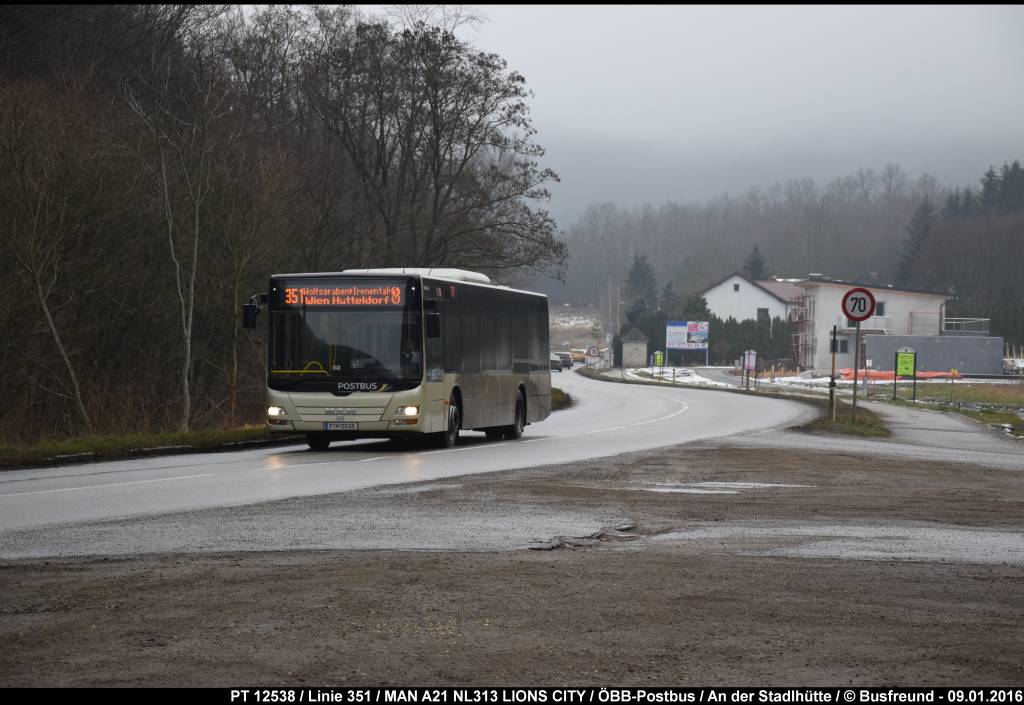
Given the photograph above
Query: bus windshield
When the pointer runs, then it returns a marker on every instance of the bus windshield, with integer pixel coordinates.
(376, 346)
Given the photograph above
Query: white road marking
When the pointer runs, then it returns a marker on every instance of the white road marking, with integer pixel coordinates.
(603, 430)
(456, 450)
(113, 484)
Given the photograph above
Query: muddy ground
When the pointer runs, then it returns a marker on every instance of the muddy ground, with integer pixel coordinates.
(807, 568)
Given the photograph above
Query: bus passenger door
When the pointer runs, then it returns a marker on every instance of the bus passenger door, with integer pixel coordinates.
(436, 394)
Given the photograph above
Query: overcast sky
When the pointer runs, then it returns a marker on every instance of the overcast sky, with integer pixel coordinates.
(640, 104)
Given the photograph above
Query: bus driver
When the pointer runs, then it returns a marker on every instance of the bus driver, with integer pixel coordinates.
(410, 355)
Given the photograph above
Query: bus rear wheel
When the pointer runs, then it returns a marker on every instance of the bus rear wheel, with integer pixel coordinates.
(515, 431)
(318, 441)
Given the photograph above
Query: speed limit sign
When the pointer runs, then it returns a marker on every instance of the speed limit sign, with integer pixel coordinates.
(859, 304)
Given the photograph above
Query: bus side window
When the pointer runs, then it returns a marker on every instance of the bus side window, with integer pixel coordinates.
(452, 324)
(504, 361)
(521, 334)
(537, 347)
(470, 341)
(486, 338)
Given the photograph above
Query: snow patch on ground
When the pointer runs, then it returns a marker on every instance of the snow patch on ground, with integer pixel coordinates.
(679, 375)
(564, 319)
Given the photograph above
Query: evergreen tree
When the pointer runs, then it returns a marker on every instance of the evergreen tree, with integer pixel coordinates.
(695, 308)
(755, 266)
(990, 188)
(917, 233)
(641, 287)
(970, 205)
(952, 209)
(670, 302)
(1012, 191)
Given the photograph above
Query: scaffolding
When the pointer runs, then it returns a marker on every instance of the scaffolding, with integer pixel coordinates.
(803, 338)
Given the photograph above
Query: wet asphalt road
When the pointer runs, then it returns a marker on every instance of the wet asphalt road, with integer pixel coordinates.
(607, 419)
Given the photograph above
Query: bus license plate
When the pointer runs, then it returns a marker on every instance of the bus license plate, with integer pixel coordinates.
(339, 426)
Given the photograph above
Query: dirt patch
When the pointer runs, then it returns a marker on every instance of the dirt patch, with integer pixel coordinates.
(637, 603)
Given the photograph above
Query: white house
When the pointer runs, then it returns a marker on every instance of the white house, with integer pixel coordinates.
(744, 299)
(897, 312)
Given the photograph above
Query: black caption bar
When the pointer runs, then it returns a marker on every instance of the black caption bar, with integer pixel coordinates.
(617, 696)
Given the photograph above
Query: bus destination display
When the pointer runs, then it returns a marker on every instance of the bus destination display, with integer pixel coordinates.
(348, 294)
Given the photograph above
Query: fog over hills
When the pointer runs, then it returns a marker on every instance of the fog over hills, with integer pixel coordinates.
(631, 174)
(647, 104)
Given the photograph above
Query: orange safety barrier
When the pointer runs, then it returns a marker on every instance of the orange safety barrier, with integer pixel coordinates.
(847, 373)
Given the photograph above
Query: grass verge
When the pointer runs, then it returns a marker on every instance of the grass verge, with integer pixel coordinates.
(998, 395)
(559, 399)
(868, 424)
(87, 448)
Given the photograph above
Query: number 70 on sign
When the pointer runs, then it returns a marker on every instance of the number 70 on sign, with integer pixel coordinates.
(858, 304)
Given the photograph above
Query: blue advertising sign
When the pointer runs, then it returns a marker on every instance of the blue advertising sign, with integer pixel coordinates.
(686, 335)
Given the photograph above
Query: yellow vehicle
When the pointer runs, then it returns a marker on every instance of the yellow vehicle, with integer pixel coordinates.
(392, 353)
(579, 355)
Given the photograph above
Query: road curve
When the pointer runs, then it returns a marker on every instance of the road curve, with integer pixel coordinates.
(607, 419)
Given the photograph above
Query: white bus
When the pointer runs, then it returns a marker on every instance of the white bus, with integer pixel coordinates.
(398, 353)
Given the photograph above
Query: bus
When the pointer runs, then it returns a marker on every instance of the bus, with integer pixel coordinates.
(402, 353)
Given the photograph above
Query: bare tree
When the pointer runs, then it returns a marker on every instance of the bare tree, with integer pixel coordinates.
(46, 201)
(439, 137)
(183, 103)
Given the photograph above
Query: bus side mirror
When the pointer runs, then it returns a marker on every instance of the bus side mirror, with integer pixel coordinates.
(249, 313)
(433, 324)
(252, 309)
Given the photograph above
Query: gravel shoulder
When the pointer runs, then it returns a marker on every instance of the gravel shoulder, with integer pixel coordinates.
(706, 563)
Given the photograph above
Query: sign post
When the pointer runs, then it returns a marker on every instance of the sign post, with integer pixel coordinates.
(858, 305)
(749, 365)
(832, 379)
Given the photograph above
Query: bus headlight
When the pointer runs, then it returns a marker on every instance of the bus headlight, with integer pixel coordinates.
(407, 411)
(275, 411)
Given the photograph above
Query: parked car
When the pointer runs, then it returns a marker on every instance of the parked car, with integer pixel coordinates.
(556, 362)
(566, 360)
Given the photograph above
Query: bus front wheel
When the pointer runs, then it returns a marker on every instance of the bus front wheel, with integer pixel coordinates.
(318, 441)
(450, 436)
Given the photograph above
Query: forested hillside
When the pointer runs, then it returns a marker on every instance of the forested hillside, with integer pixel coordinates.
(158, 162)
(879, 227)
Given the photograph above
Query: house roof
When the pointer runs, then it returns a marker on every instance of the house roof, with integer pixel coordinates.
(813, 281)
(634, 336)
(785, 292)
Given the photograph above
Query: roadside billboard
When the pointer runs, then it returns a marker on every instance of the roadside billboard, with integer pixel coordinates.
(686, 335)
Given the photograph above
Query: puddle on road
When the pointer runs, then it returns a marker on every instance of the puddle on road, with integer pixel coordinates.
(683, 490)
(420, 488)
(746, 485)
(858, 542)
(711, 487)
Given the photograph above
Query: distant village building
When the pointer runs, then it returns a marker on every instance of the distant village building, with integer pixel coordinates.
(634, 349)
(744, 299)
(904, 319)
